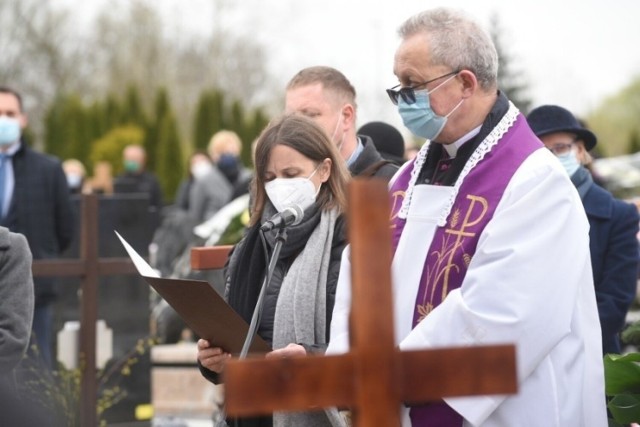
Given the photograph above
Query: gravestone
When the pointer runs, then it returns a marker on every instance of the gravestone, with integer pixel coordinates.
(123, 301)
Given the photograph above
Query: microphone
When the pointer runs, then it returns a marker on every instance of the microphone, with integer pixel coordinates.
(291, 215)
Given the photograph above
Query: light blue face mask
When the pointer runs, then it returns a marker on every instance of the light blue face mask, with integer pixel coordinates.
(9, 131)
(420, 118)
(569, 162)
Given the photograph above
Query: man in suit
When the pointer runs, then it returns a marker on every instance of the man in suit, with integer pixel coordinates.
(34, 201)
(327, 97)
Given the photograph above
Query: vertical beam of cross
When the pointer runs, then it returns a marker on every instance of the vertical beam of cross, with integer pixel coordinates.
(371, 323)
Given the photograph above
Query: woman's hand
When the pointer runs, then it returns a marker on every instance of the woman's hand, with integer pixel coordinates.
(212, 358)
(288, 351)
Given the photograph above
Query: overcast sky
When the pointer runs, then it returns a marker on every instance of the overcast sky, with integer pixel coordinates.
(574, 52)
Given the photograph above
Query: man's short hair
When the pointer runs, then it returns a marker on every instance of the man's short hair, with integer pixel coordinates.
(330, 78)
(456, 41)
(8, 90)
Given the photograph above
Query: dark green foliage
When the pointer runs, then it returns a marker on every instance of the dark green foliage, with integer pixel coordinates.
(162, 107)
(209, 118)
(631, 335)
(214, 115)
(241, 124)
(235, 230)
(28, 136)
(97, 119)
(615, 120)
(112, 112)
(54, 133)
(634, 142)
(67, 129)
(99, 130)
(622, 387)
(237, 119)
(169, 161)
(133, 113)
(109, 147)
(258, 122)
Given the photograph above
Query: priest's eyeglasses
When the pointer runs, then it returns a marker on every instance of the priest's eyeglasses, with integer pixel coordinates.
(408, 93)
(560, 149)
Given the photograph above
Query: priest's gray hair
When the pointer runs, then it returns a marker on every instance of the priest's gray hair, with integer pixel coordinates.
(456, 41)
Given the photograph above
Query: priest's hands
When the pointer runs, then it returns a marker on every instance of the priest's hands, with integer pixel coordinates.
(288, 351)
(212, 358)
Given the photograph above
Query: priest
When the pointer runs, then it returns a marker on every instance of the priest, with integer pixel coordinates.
(478, 258)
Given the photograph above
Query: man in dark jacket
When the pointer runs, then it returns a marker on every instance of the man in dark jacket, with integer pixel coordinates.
(387, 139)
(326, 96)
(34, 201)
(136, 179)
(613, 223)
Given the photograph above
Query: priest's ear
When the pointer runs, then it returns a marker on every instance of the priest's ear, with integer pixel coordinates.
(469, 83)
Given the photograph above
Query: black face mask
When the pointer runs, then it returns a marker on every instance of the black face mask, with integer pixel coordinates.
(229, 166)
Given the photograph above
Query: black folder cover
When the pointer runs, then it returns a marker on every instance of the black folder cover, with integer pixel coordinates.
(201, 308)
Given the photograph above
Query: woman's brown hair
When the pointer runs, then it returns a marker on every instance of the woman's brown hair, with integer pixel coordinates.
(307, 138)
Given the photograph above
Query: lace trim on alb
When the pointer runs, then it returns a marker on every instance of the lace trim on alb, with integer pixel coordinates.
(485, 146)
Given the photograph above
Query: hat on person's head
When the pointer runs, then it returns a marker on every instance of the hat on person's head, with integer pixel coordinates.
(552, 118)
(387, 140)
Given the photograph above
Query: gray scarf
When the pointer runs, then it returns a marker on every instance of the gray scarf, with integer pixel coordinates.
(301, 310)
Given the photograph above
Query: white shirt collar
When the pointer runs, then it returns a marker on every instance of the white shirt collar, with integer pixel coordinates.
(356, 153)
(452, 149)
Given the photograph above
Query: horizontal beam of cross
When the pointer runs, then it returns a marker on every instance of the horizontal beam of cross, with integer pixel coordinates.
(329, 381)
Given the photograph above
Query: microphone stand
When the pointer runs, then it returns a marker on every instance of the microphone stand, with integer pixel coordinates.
(281, 238)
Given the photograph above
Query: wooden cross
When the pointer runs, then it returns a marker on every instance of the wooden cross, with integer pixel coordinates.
(90, 267)
(374, 378)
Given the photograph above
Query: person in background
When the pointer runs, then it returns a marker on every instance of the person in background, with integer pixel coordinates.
(199, 167)
(613, 223)
(208, 195)
(35, 202)
(75, 172)
(326, 96)
(296, 161)
(387, 139)
(136, 179)
(224, 149)
(490, 241)
(17, 407)
(16, 304)
(102, 180)
(215, 189)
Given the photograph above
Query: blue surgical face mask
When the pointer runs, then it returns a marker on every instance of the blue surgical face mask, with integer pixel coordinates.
(420, 118)
(569, 162)
(229, 166)
(9, 131)
(74, 180)
(132, 166)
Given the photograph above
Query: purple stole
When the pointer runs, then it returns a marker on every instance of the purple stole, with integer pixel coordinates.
(454, 244)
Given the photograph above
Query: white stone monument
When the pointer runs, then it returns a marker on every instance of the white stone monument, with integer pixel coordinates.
(69, 343)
